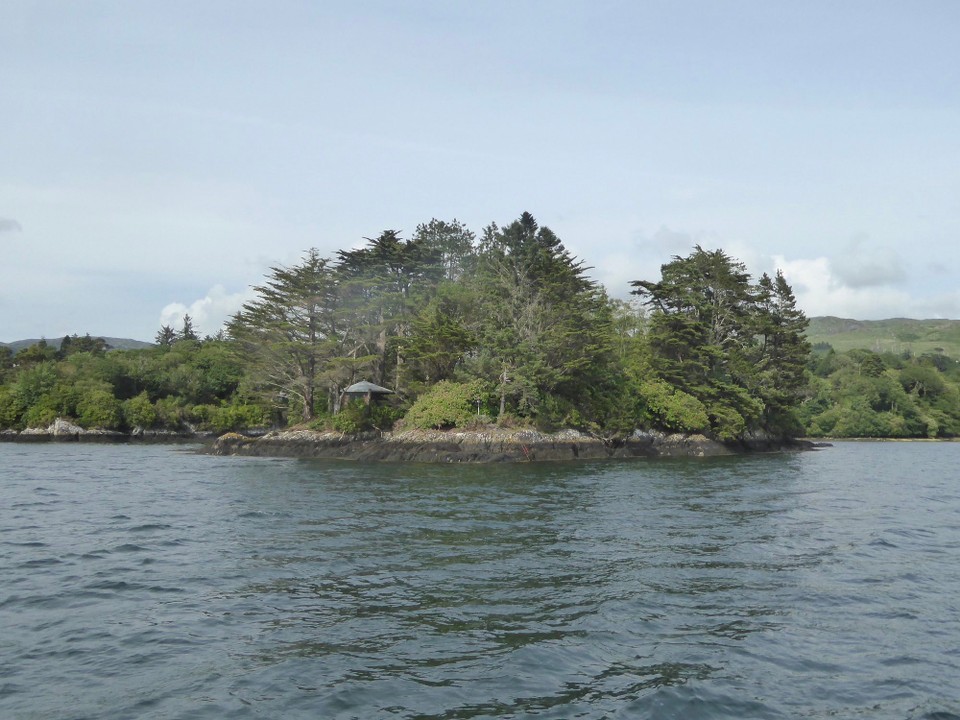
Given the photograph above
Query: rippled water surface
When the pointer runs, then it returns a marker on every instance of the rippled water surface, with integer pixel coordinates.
(151, 582)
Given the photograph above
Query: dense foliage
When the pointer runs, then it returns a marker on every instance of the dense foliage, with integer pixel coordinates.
(736, 347)
(861, 393)
(187, 383)
(507, 327)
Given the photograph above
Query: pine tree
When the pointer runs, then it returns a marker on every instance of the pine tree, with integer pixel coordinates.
(187, 331)
(166, 336)
(289, 332)
(451, 243)
(736, 347)
(382, 287)
(545, 325)
(783, 352)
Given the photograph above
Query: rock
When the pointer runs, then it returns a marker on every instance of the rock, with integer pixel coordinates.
(34, 432)
(102, 434)
(490, 444)
(64, 428)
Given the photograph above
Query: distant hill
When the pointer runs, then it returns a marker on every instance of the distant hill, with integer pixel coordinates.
(896, 335)
(114, 343)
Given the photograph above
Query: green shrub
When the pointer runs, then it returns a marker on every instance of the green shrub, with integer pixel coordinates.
(221, 418)
(383, 416)
(237, 417)
(100, 409)
(171, 412)
(353, 417)
(138, 411)
(728, 424)
(39, 416)
(445, 405)
(509, 420)
(673, 409)
(477, 422)
(10, 409)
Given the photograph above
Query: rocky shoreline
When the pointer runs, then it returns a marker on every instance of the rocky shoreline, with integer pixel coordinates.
(61, 430)
(491, 444)
(488, 445)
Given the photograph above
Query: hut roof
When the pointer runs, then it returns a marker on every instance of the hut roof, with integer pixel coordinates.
(363, 387)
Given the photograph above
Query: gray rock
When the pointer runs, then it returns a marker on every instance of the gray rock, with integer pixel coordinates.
(487, 445)
(34, 431)
(61, 428)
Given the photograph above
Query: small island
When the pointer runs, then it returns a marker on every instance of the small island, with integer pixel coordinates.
(454, 347)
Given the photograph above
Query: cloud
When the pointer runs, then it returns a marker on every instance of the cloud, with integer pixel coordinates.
(863, 265)
(616, 266)
(863, 279)
(668, 242)
(9, 225)
(209, 313)
(821, 290)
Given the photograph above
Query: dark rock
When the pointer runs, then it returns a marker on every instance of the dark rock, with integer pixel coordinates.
(488, 445)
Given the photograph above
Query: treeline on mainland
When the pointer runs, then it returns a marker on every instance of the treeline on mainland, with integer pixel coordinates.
(864, 394)
(504, 328)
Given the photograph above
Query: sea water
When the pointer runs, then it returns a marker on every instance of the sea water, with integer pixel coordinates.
(156, 582)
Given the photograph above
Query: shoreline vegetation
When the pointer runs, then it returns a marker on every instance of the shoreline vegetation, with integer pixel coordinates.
(504, 333)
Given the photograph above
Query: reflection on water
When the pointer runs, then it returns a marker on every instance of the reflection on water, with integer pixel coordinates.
(146, 581)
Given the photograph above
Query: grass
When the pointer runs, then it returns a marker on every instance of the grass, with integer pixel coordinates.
(896, 335)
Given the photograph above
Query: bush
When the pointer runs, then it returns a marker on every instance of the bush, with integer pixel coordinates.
(39, 416)
(728, 424)
(139, 411)
(673, 409)
(100, 409)
(170, 412)
(508, 420)
(221, 418)
(478, 422)
(238, 417)
(445, 405)
(10, 409)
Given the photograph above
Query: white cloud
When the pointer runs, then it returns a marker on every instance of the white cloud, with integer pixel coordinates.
(822, 290)
(9, 225)
(209, 313)
(617, 265)
(862, 264)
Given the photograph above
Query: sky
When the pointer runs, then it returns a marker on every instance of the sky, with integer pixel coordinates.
(158, 157)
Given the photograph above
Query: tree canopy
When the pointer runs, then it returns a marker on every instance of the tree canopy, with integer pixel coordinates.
(736, 346)
(506, 327)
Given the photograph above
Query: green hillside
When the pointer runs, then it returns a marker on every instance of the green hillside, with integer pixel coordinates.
(896, 335)
(114, 343)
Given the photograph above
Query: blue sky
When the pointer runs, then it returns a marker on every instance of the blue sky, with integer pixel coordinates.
(159, 157)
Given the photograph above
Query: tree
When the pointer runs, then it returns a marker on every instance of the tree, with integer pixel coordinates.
(289, 332)
(442, 334)
(382, 286)
(73, 344)
(166, 336)
(39, 352)
(187, 331)
(783, 352)
(545, 326)
(736, 347)
(451, 243)
(6, 361)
